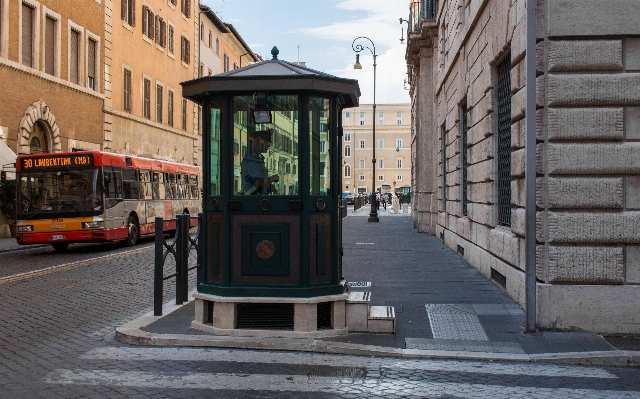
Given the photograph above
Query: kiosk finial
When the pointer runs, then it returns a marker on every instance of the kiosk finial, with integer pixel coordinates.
(275, 52)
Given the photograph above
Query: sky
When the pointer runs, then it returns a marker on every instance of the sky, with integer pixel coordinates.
(321, 32)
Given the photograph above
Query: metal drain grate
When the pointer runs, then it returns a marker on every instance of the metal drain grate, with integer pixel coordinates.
(209, 312)
(324, 315)
(265, 316)
(449, 321)
(356, 373)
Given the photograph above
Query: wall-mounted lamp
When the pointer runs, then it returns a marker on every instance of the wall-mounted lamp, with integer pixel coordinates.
(262, 113)
(401, 21)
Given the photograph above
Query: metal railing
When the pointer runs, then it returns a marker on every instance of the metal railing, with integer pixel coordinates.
(180, 248)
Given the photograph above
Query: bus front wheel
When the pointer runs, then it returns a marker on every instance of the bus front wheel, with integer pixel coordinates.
(60, 246)
(134, 232)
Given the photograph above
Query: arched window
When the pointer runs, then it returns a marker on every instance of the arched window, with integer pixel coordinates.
(347, 150)
(202, 31)
(347, 171)
(217, 46)
(210, 39)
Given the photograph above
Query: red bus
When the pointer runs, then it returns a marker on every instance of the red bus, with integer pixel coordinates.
(93, 196)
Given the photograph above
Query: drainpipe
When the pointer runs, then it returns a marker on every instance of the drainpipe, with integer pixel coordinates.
(530, 170)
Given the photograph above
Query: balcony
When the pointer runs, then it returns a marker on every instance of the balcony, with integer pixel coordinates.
(419, 10)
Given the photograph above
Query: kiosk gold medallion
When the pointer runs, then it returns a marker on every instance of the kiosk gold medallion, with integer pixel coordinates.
(265, 249)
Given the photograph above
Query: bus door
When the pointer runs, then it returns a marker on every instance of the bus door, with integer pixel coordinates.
(114, 198)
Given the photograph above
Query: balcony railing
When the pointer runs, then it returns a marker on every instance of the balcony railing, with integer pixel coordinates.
(419, 10)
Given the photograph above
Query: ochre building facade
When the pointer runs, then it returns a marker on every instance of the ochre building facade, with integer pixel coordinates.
(468, 93)
(392, 147)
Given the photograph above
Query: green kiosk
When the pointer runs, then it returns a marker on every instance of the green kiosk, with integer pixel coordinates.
(271, 204)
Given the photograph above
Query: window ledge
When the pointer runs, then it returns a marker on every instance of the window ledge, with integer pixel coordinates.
(146, 39)
(127, 26)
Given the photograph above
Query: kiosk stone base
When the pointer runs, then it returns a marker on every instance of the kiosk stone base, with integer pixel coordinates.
(316, 317)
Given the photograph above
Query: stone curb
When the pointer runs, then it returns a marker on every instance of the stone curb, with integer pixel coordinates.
(132, 334)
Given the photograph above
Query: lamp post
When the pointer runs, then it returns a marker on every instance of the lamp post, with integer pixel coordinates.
(373, 215)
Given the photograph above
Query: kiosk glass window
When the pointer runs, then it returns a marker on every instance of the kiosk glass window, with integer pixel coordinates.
(262, 168)
(215, 122)
(319, 139)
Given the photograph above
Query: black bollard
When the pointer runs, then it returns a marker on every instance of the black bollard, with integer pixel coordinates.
(186, 219)
(158, 273)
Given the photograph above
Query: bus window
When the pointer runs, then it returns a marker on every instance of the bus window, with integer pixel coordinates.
(170, 185)
(130, 184)
(113, 186)
(193, 184)
(158, 185)
(145, 182)
(183, 186)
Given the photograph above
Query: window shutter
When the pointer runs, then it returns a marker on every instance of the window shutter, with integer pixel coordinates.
(158, 103)
(171, 39)
(133, 12)
(188, 8)
(144, 21)
(91, 63)
(151, 25)
(27, 35)
(170, 108)
(49, 47)
(123, 11)
(164, 34)
(74, 75)
(127, 90)
(157, 31)
(188, 47)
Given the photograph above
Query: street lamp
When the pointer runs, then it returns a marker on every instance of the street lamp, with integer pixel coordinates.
(373, 215)
(241, 58)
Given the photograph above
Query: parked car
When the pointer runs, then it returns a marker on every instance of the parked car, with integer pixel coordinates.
(346, 195)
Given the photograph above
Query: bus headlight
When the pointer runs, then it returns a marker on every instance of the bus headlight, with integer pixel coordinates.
(25, 229)
(92, 225)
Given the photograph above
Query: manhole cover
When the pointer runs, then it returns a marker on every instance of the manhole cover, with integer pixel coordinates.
(356, 373)
(624, 343)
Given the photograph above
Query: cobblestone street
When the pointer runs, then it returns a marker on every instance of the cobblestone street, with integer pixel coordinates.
(58, 341)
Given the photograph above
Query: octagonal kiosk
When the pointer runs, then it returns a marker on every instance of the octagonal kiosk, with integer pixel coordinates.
(271, 182)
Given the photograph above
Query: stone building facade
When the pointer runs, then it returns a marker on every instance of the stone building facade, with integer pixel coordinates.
(468, 137)
(392, 144)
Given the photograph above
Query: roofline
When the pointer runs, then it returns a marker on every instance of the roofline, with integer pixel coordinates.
(214, 18)
(241, 40)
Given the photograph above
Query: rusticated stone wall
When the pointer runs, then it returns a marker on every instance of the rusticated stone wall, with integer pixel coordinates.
(588, 151)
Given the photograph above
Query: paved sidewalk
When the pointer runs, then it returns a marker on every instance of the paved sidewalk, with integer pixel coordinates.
(444, 308)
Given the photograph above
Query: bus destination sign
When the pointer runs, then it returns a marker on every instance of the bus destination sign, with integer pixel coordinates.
(57, 161)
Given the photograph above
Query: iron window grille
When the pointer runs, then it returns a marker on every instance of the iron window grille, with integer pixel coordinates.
(464, 128)
(443, 161)
(504, 141)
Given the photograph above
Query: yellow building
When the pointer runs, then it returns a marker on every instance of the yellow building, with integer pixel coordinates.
(392, 147)
(150, 47)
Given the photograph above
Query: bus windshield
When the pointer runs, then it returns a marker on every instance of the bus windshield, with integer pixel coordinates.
(55, 193)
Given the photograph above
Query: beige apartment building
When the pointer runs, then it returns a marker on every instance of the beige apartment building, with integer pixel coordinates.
(469, 105)
(392, 147)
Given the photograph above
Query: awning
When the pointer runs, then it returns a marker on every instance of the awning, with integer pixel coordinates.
(7, 156)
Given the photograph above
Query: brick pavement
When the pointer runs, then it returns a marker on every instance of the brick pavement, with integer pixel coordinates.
(57, 342)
